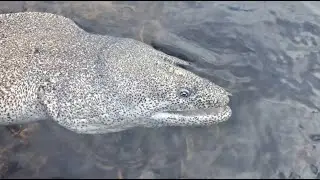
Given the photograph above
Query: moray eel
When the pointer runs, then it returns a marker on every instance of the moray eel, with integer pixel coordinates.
(93, 84)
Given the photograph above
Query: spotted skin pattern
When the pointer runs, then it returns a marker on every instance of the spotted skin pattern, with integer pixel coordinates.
(94, 84)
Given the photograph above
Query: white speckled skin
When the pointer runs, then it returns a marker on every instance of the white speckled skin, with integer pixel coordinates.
(50, 68)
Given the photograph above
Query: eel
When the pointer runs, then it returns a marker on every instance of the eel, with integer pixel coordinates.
(93, 84)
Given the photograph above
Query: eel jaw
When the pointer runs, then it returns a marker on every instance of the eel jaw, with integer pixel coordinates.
(197, 117)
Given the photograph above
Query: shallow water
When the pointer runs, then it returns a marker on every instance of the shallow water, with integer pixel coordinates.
(265, 53)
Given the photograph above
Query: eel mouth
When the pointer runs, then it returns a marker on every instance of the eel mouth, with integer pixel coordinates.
(199, 112)
(216, 114)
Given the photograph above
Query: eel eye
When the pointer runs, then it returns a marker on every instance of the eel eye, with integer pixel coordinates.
(184, 93)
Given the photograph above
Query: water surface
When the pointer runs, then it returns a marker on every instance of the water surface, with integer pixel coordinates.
(265, 53)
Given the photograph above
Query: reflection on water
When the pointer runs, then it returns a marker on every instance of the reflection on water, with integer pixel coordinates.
(265, 53)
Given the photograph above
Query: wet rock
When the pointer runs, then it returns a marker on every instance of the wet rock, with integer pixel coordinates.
(294, 175)
(147, 175)
(314, 169)
(281, 175)
(314, 137)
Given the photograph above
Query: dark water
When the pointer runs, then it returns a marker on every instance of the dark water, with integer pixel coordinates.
(265, 53)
